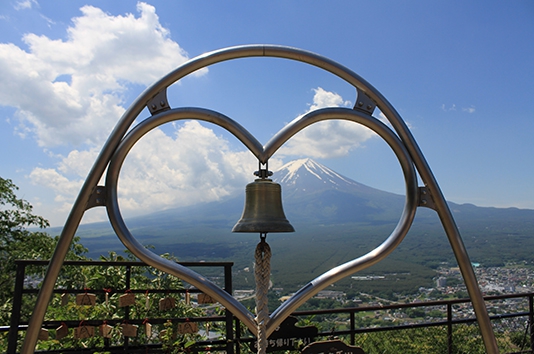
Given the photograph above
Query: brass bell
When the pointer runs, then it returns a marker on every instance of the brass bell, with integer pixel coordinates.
(263, 210)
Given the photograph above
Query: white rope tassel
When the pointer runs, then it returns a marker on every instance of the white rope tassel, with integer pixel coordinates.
(262, 273)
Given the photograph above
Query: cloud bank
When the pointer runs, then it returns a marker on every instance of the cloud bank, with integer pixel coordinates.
(193, 164)
(70, 91)
(327, 139)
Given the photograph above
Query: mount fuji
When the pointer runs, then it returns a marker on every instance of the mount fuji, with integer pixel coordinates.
(312, 191)
(306, 175)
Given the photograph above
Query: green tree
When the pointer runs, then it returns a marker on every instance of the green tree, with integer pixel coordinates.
(18, 242)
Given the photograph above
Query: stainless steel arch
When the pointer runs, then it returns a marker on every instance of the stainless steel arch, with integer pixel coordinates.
(158, 91)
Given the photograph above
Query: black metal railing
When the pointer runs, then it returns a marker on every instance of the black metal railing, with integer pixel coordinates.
(233, 337)
(449, 321)
(17, 325)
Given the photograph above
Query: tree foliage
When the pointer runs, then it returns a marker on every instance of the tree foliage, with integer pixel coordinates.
(18, 242)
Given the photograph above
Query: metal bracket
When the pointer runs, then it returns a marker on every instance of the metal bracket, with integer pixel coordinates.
(425, 198)
(98, 197)
(158, 103)
(364, 103)
(263, 174)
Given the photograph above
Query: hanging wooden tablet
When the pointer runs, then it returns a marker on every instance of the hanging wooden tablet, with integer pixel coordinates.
(105, 330)
(129, 330)
(167, 303)
(187, 327)
(147, 302)
(62, 331)
(83, 332)
(148, 330)
(205, 299)
(43, 334)
(64, 299)
(127, 299)
(187, 297)
(85, 299)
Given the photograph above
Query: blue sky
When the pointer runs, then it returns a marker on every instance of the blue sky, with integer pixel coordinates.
(460, 73)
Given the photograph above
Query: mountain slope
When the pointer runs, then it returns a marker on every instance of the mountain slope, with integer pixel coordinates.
(306, 176)
(312, 191)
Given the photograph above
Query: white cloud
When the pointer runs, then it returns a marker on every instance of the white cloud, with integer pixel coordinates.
(195, 165)
(52, 179)
(469, 109)
(326, 139)
(452, 107)
(445, 108)
(25, 4)
(70, 91)
(49, 21)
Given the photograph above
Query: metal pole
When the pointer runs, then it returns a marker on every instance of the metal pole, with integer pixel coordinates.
(71, 225)
(15, 311)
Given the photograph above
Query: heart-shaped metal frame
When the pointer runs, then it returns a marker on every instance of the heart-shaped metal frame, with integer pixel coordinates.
(263, 153)
(155, 99)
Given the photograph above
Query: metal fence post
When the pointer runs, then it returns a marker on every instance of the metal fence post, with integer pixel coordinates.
(15, 311)
(127, 308)
(531, 320)
(449, 328)
(229, 315)
(352, 328)
(237, 336)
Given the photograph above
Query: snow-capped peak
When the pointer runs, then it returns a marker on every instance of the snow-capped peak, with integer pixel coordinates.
(308, 174)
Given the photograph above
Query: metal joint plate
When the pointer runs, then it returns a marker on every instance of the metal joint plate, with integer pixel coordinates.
(158, 103)
(97, 198)
(425, 198)
(364, 103)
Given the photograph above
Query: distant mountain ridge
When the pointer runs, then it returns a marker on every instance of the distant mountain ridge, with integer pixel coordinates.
(314, 193)
(336, 219)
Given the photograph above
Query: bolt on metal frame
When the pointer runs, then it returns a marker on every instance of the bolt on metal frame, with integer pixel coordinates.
(154, 98)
